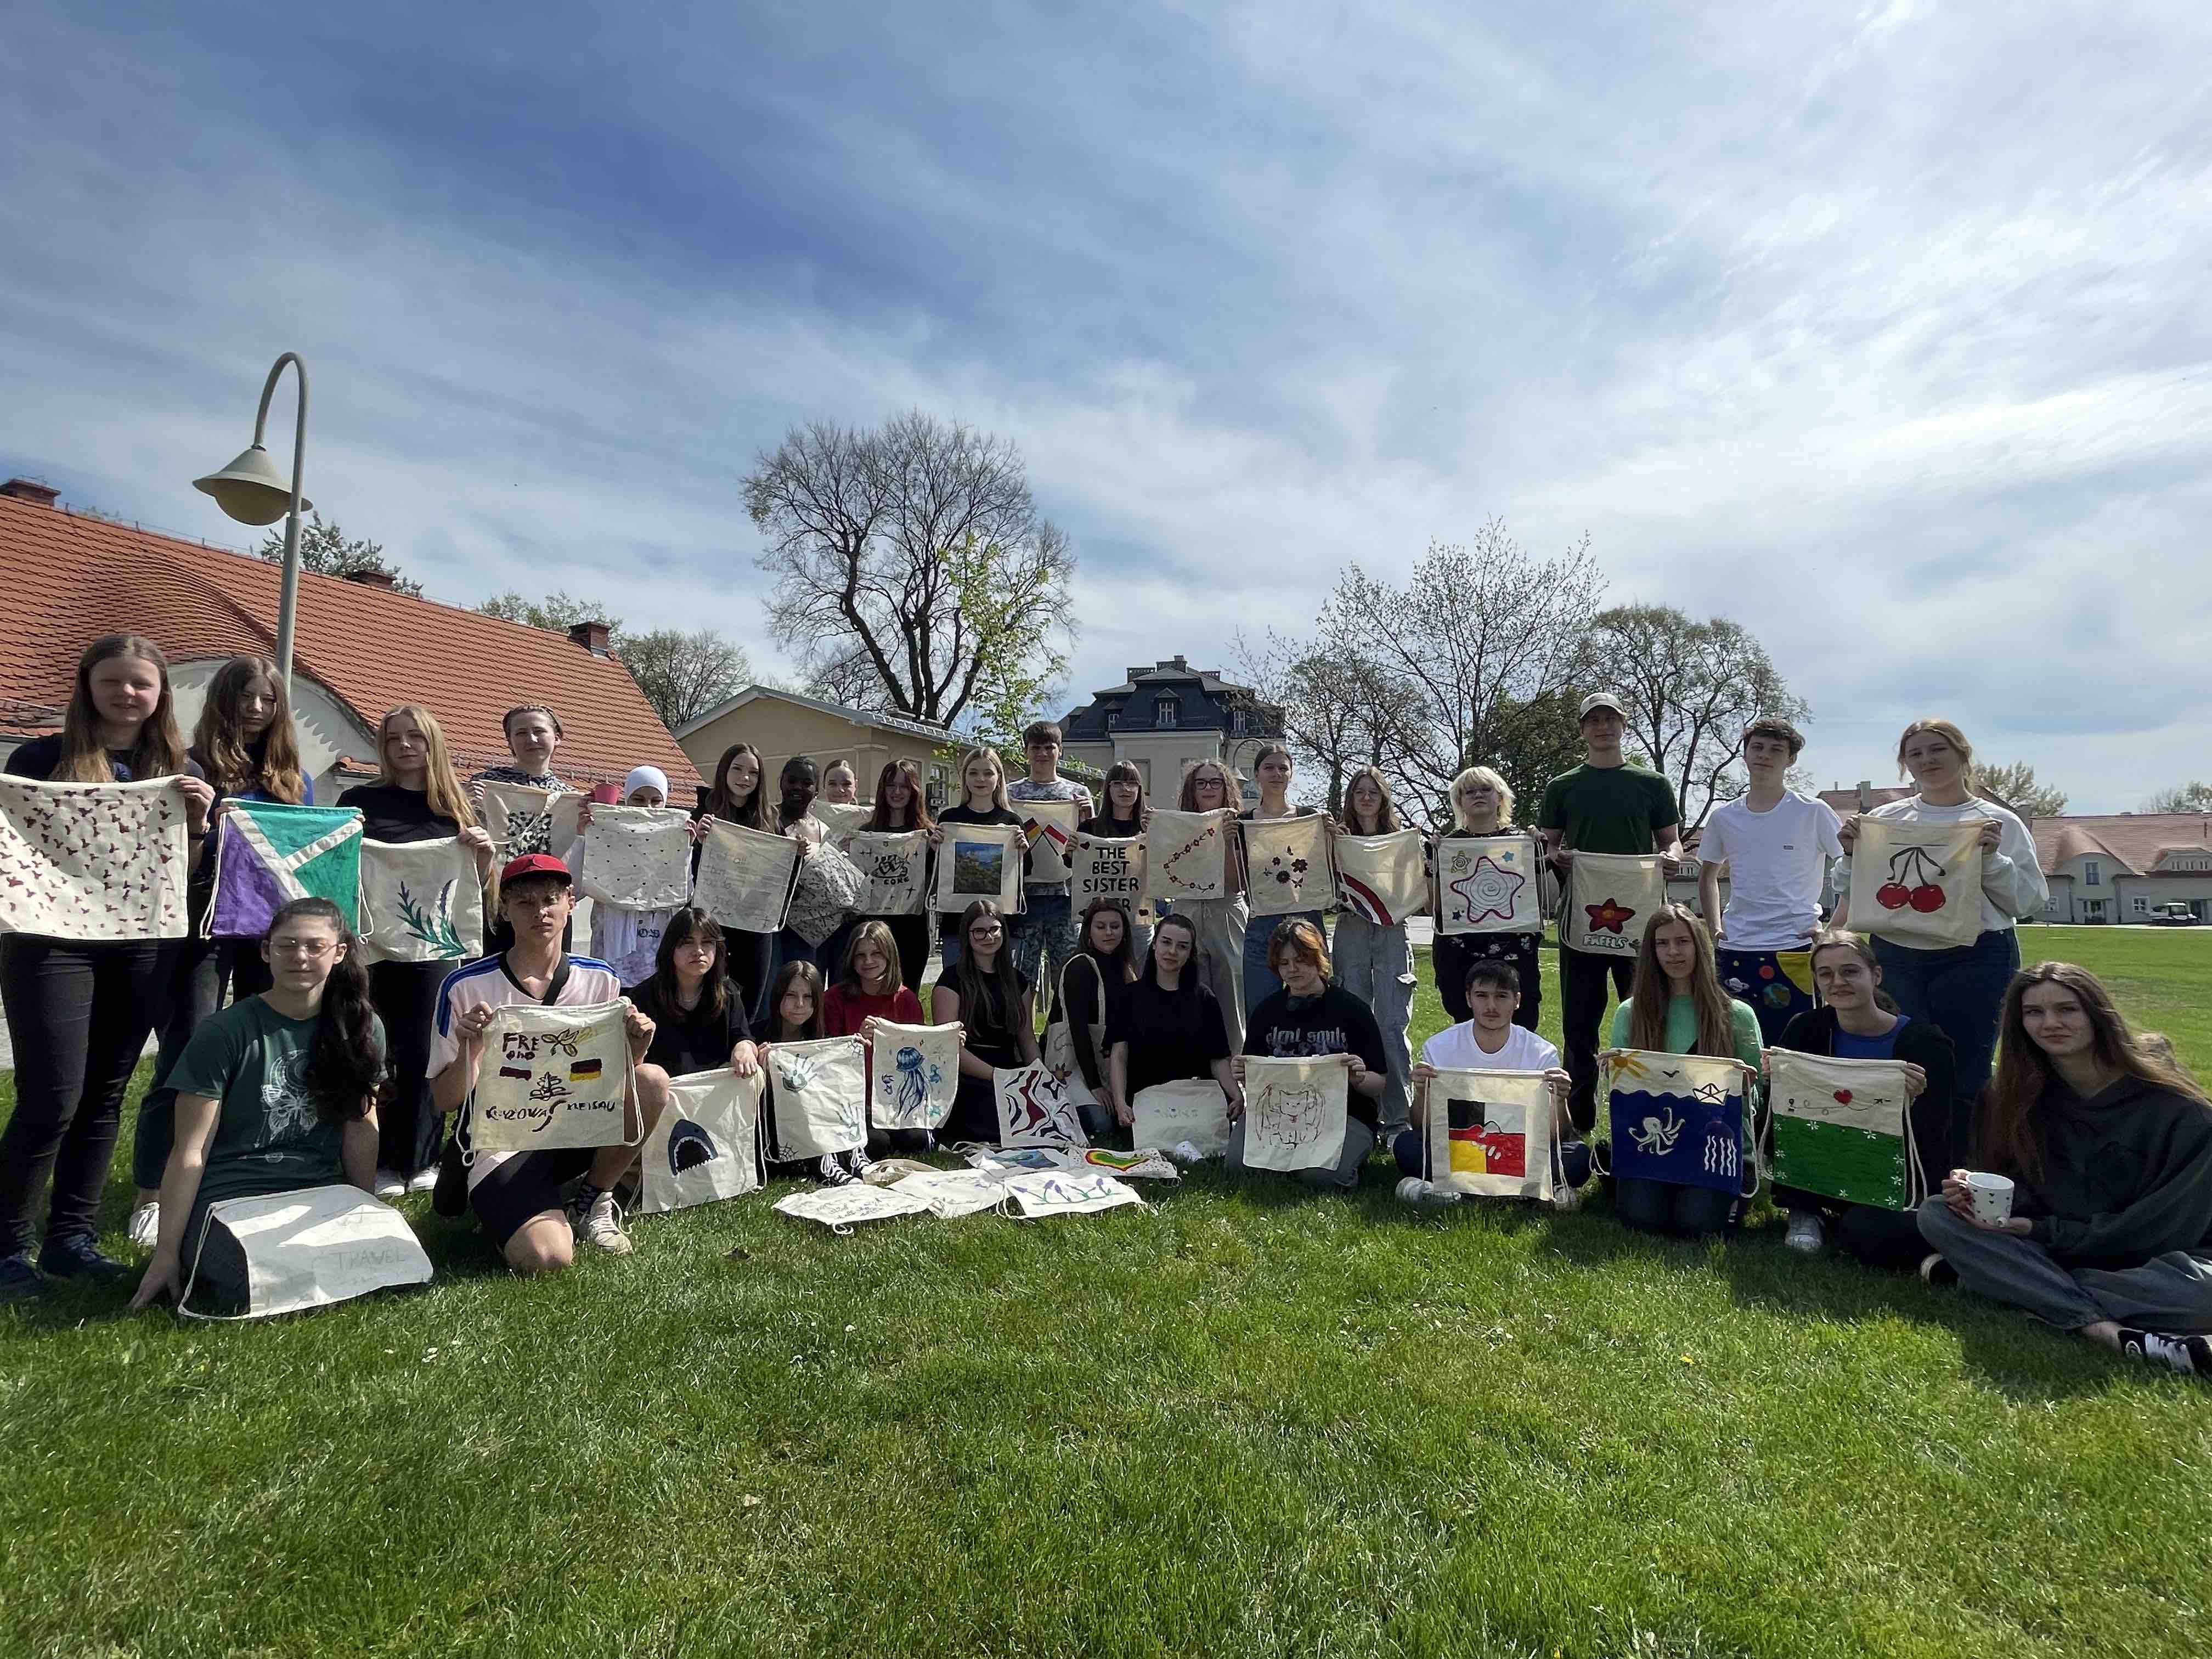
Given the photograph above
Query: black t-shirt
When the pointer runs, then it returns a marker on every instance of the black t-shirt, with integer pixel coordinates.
(1102, 828)
(698, 1041)
(1172, 1035)
(1334, 1022)
(390, 813)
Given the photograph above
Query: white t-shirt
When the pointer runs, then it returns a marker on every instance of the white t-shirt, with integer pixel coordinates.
(1775, 860)
(1454, 1049)
(485, 984)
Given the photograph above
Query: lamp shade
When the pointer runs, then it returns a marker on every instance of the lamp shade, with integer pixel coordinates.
(250, 489)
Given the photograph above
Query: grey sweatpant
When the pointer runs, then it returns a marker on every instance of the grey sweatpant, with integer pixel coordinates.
(1376, 964)
(2171, 1293)
(1220, 924)
(1358, 1142)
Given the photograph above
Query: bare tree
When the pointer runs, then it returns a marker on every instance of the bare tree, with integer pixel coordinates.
(2193, 797)
(913, 570)
(1340, 711)
(1689, 688)
(1479, 632)
(684, 675)
(325, 549)
(2016, 787)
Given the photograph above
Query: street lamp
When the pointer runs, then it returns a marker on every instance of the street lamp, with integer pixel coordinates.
(251, 490)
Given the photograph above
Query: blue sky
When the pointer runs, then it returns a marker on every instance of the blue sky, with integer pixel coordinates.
(1882, 327)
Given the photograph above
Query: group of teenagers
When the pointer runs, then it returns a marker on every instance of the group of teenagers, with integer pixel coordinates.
(287, 1062)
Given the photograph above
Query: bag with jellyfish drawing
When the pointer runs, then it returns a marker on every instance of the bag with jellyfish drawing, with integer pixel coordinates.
(914, 1073)
(1680, 1119)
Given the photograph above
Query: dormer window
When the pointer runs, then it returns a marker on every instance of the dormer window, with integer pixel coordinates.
(1163, 713)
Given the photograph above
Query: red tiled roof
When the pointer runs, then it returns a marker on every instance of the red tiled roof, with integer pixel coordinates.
(2133, 840)
(69, 578)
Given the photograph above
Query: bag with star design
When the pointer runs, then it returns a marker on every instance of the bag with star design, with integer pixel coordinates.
(1610, 898)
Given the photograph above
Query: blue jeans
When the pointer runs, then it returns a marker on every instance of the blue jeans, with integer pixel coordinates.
(1260, 980)
(1960, 991)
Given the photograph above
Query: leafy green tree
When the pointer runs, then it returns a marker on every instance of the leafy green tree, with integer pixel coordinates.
(329, 551)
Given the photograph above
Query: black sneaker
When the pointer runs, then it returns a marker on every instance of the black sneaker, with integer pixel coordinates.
(1938, 1271)
(2189, 1355)
(76, 1256)
(449, 1197)
(831, 1170)
(859, 1162)
(19, 1280)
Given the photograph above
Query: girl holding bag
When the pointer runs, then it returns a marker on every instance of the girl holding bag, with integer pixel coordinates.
(1091, 981)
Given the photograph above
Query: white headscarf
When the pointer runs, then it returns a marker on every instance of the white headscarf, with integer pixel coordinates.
(645, 777)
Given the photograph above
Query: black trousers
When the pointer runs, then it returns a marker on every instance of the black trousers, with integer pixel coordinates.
(1584, 977)
(409, 1127)
(79, 1016)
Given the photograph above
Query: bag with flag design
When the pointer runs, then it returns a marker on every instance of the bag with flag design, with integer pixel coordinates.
(1490, 1134)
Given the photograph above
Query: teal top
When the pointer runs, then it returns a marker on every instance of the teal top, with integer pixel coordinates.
(1682, 1028)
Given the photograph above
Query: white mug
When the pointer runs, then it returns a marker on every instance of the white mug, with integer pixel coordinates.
(1991, 1196)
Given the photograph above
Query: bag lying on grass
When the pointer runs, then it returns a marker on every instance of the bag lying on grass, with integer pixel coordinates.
(842, 1208)
(1039, 1193)
(279, 1254)
(950, 1193)
(1170, 1113)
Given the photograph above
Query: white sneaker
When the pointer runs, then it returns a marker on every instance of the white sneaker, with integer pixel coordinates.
(146, 1224)
(390, 1183)
(601, 1225)
(423, 1181)
(1805, 1234)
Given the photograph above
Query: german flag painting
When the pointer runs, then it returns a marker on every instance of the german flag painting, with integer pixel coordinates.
(1483, 1148)
(584, 1071)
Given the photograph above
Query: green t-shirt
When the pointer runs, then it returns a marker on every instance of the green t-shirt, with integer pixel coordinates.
(1682, 1027)
(269, 1138)
(1608, 809)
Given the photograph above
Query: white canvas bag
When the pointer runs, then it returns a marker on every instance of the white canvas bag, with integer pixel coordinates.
(1295, 1111)
(707, 1144)
(309, 1249)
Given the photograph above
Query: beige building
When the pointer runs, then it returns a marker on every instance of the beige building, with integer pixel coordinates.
(782, 724)
(2120, 867)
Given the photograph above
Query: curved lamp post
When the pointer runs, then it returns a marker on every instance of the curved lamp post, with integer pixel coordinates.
(251, 490)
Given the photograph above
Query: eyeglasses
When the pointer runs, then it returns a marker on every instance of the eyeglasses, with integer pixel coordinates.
(312, 949)
(986, 930)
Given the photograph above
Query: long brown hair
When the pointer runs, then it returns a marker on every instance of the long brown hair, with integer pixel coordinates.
(222, 749)
(1003, 989)
(1123, 772)
(1233, 787)
(441, 785)
(794, 972)
(917, 811)
(877, 933)
(2012, 1129)
(721, 804)
(1386, 821)
(1649, 990)
(159, 750)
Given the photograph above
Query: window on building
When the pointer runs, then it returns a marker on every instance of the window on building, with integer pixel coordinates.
(1112, 720)
(1163, 715)
(1238, 722)
(2141, 905)
(2091, 875)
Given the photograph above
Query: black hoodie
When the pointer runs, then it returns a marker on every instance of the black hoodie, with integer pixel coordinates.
(2126, 1176)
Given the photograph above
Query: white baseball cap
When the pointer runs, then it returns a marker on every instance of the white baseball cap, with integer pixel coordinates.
(1598, 699)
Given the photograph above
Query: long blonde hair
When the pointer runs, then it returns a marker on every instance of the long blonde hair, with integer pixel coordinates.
(223, 748)
(159, 750)
(999, 791)
(1649, 990)
(1496, 780)
(441, 788)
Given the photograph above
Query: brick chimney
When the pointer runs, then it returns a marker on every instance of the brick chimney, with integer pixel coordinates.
(366, 578)
(591, 635)
(29, 490)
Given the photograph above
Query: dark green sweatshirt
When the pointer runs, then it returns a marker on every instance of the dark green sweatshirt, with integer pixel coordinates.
(2126, 1176)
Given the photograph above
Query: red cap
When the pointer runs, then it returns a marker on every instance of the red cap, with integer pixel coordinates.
(535, 864)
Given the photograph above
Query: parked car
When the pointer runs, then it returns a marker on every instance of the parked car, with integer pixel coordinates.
(2175, 914)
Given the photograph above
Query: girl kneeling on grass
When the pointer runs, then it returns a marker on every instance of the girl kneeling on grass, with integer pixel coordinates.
(1676, 1006)
(2109, 1145)
(1857, 1020)
(274, 1094)
(794, 1015)
(869, 991)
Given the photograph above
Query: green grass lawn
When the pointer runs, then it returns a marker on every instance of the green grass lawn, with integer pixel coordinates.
(1243, 1420)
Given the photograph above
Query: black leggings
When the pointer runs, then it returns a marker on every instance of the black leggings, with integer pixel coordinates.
(79, 1016)
(409, 1127)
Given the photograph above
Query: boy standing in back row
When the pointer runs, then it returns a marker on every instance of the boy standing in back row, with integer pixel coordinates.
(1044, 933)
(1603, 805)
(1775, 844)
